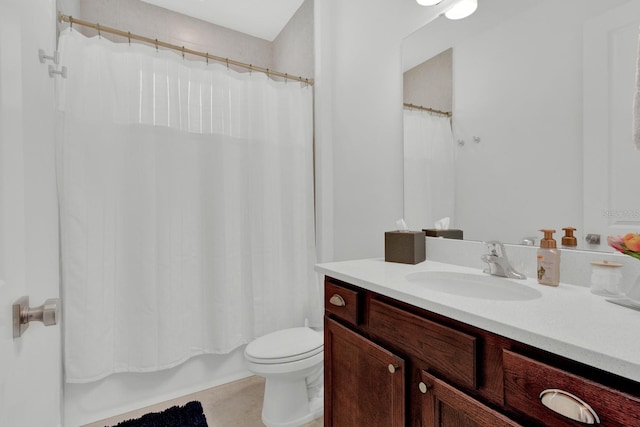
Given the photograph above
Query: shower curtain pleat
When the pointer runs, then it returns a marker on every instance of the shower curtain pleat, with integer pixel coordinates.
(186, 197)
(429, 169)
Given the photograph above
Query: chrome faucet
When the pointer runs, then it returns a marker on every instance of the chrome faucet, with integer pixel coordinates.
(498, 262)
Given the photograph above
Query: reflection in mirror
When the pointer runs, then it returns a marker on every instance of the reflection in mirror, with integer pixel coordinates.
(542, 94)
(429, 188)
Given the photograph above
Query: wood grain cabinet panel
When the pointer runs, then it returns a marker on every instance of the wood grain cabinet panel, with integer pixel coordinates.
(525, 379)
(445, 406)
(446, 351)
(364, 383)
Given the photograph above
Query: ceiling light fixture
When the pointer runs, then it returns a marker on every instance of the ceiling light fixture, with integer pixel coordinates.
(462, 9)
(428, 2)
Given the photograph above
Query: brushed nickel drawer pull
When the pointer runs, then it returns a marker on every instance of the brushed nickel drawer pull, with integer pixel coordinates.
(337, 300)
(569, 405)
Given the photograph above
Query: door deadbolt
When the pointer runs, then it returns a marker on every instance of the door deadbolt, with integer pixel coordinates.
(47, 313)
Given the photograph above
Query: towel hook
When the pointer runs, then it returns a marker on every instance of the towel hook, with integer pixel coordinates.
(43, 56)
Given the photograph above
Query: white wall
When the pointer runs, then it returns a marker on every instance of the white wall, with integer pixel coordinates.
(520, 90)
(429, 84)
(359, 121)
(156, 22)
(293, 47)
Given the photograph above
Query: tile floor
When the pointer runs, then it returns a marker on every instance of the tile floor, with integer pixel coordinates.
(237, 404)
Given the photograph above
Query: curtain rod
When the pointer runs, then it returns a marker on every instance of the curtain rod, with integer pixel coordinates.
(430, 110)
(127, 34)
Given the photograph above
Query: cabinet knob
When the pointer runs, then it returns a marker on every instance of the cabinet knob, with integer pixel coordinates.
(423, 387)
(568, 405)
(337, 300)
(392, 368)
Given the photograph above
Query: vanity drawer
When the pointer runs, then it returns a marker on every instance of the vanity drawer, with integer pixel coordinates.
(446, 351)
(525, 379)
(342, 301)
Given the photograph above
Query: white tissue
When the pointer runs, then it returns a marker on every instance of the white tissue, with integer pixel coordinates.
(442, 224)
(402, 226)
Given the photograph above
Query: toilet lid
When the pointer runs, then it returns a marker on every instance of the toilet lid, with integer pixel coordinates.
(286, 345)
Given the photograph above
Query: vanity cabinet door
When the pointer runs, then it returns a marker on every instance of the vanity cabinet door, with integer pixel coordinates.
(443, 405)
(364, 383)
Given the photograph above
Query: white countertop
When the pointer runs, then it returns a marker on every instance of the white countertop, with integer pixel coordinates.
(567, 320)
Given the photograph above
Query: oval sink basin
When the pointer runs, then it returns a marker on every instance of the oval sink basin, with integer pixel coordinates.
(474, 285)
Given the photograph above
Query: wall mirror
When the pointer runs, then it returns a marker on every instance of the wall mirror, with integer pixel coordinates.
(541, 101)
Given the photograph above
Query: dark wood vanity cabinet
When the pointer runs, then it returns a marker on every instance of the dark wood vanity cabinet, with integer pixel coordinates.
(441, 404)
(366, 382)
(390, 364)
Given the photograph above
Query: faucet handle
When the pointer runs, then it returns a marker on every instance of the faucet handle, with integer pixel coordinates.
(495, 247)
(498, 262)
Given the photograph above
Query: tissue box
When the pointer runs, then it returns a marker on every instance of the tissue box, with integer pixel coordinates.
(407, 247)
(447, 234)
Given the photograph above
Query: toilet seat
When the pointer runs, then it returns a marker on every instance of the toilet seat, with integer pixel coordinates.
(284, 346)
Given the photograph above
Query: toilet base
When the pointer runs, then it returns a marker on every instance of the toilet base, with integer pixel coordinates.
(316, 410)
(287, 402)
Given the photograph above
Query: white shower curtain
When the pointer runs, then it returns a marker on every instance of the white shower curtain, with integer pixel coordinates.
(429, 169)
(186, 194)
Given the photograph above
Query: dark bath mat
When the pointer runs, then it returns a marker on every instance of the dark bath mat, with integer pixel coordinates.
(189, 415)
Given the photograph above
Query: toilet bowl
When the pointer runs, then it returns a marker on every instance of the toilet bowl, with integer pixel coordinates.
(291, 362)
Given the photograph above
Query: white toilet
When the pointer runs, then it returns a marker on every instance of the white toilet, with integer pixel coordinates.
(291, 361)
